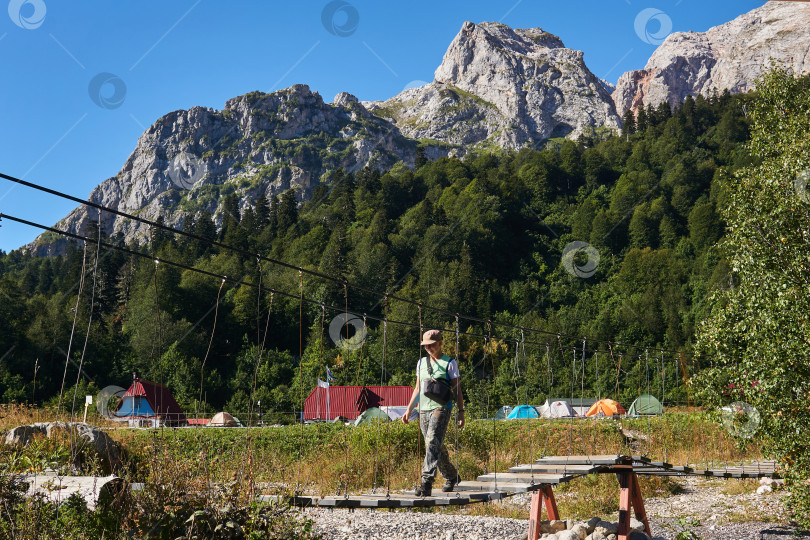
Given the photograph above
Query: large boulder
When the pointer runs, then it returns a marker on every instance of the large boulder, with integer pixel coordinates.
(87, 442)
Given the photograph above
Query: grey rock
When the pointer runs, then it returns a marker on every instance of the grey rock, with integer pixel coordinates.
(503, 87)
(592, 523)
(94, 490)
(730, 56)
(257, 144)
(636, 525)
(87, 436)
(607, 527)
(581, 530)
(568, 535)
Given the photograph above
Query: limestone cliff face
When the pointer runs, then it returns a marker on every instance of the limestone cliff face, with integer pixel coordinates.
(258, 143)
(496, 87)
(503, 87)
(731, 56)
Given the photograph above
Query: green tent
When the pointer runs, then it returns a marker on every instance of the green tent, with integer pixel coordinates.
(503, 412)
(371, 414)
(645, 404)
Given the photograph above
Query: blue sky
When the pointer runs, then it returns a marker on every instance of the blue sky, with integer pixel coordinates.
(175, 54)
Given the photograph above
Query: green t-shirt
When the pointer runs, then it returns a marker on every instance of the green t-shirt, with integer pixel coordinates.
(439, 372)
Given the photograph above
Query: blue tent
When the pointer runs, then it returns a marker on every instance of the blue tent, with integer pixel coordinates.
(523, 411)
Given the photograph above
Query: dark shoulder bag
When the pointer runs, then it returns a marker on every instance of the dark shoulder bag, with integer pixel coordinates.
(437, 389)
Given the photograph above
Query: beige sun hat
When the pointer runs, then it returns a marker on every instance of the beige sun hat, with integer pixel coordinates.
(431, 336)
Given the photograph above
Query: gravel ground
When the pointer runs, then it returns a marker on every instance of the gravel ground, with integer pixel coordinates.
(702, 508)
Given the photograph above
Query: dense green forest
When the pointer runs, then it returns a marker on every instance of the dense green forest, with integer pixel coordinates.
(481, 236)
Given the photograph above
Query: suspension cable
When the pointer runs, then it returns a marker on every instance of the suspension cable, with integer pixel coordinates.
(73, 328)
(89, 320)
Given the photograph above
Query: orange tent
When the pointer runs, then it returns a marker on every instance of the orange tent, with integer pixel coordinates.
(605, 407)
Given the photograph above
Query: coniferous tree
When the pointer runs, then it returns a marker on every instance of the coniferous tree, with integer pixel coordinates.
(272, 217)
(262, 211)
(420, 160)
(641, 120)
(45, 280)
(629, 124)
(287, 214)
(205, 228)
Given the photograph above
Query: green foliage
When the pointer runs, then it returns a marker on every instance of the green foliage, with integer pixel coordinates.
(757, 329)
(483, 236)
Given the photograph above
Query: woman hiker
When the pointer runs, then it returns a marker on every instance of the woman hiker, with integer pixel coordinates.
(434, 373)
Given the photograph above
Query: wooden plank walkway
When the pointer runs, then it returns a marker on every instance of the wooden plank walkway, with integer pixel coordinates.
(532, 477)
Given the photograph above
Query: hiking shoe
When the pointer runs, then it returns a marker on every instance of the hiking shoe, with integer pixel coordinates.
(450, 485)
(424, 490)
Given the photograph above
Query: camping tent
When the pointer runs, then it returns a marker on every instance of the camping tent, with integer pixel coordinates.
(645, 404)
(557, 409)
(371, 414)
(503, 412)
(223, 419)
(397, 412)
(579, 405)
(523, 411)
(605, 407)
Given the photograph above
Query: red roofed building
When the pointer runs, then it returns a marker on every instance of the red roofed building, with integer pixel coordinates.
(146, 400)
(349, 401)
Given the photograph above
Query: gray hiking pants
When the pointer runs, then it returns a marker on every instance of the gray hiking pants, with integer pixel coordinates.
(434, 426)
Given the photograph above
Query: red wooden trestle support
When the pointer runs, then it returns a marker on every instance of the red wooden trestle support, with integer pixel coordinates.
(630, 495)
(544, 495)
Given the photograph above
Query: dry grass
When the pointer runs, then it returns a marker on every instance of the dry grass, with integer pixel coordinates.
(13, 415)
(737, 486)
(334, 458)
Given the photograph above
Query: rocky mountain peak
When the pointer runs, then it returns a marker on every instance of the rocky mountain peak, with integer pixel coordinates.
(259, 143)
(730, 56)
(503, 87)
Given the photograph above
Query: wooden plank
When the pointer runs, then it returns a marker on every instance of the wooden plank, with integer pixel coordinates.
(535, 515)
(552, 469)
(552, 479)
(583, 460)
(625, 488)
(551, 503)
(638, 503)
(509, 487)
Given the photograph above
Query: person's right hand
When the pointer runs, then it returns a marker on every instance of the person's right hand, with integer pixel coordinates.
(406, 416)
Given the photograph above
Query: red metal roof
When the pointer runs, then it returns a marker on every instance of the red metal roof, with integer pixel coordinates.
(350, 401)
(159, 398)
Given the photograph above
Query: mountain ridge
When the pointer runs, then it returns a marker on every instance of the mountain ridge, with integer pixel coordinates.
(497, 88)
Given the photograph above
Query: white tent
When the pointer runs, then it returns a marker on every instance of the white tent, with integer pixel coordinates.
(557, 409)
(579, 405)
(395, 412)
(223, 419)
